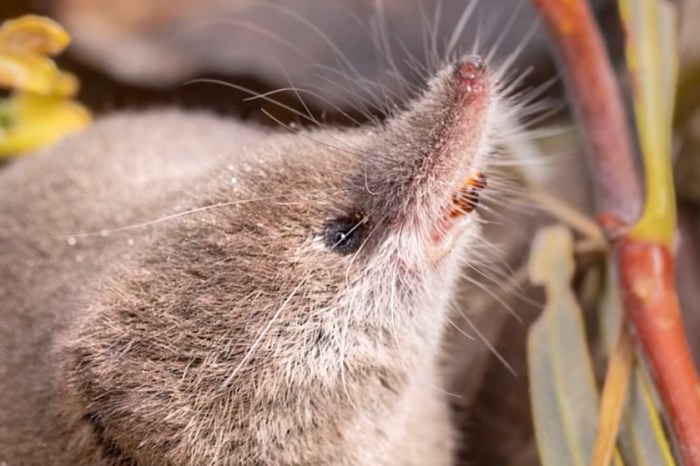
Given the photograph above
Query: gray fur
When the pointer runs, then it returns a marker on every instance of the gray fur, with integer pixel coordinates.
(232, 334)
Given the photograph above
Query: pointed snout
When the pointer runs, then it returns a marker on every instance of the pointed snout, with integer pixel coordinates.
(470, 76)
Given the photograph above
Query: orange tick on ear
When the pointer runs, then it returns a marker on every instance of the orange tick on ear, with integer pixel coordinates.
(467, 198)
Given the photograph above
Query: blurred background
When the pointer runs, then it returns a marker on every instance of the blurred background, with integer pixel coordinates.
(135, 53)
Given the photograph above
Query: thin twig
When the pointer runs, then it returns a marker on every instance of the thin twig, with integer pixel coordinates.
(613, 399)
(592, 84)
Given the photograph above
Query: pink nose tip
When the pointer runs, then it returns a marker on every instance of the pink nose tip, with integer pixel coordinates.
(470, 73)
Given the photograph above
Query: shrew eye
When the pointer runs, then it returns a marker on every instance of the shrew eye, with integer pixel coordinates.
(346, 234)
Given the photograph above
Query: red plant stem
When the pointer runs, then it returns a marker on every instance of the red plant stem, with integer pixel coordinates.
(644, 268)
(646, 275)
(592, 84)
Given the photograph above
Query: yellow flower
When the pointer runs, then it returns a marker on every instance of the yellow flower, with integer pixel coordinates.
(28, 121)
(41, 110)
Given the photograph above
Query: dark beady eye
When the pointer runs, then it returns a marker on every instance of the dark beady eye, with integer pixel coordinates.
(346, 234)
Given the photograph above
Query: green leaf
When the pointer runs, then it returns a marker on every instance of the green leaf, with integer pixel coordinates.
(562, 386)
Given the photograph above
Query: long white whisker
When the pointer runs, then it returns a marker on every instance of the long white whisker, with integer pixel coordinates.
(255, 95)
(495, 296)
(466, 14)
(148, 223)
(264, 331)
(459, 329)
(489, 345)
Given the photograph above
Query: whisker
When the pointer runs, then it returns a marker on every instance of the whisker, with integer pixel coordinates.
(346, 322)
(256, 95)
(264, 331)
(489, 345)
(459, 329)
(133, 226)
(317, 141)
(495, 296)
(255, 28)
(337, 52)
(459, 28)
(297, 91)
